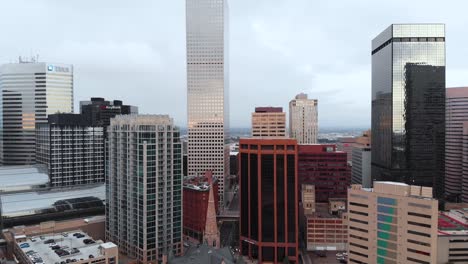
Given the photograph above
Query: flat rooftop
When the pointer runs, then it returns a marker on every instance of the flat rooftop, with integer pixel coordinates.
(73, 247)
(199, 183)
(20, 178)
(453, 222)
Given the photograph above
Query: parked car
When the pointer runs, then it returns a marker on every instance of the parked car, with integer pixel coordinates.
(49, 241)
(24, 245)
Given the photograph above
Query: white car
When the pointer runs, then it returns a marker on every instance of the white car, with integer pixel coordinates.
(339, 255)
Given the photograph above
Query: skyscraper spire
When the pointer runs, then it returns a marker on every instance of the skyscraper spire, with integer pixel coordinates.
(211, 234)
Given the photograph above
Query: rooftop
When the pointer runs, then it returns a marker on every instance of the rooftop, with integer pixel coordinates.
(20, 178)
(453, 222)
(72, 247)
(204, 254)
(27, 203)
(198, 183)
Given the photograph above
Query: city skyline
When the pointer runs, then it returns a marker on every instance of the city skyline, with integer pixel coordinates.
(121, 60)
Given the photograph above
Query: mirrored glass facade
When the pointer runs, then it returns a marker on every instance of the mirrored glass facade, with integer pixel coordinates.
(207, 89)
(30, 92)
(408, 105)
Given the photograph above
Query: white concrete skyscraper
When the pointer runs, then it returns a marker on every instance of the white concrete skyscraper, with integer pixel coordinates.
(207, 89)
(30, 92)
(303, 120)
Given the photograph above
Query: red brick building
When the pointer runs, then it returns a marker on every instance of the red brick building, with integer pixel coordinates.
(268, 200)
(325, 168)
(196, 195)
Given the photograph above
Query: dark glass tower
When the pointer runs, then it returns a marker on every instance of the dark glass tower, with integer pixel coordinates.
(408, 105)
(269, 199)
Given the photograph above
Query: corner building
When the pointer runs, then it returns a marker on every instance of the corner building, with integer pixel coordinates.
(208, 89)
(408, 105)
(144, 187)
(392, 223)
(268, 200)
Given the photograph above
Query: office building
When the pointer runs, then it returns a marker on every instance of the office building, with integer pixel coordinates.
(195, 205)
(361, 169)
(269, 122)
(30, 92)
(303, 119)
(456, 149)
(346, 145)
(72, 150)
(144, 187)
(208, 89)
(268, 200)
(325, 168)
(98, 112)
(408, 105)
(392, 223)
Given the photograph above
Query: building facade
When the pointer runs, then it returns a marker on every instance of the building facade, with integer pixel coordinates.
(72, 150)
(208, 89)
(392, 223)
(98, 112)
(269, 122)
(452, 241)
(195, 205)
(303, 119)
(408, 105)
(30, 92)
(325, 168)
(268, 200)
(144, 187)
(456, 122)
(361, 169)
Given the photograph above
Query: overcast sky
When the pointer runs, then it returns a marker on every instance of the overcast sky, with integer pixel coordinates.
(135, 50)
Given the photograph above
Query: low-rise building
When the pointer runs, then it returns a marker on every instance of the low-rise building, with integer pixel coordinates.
(326, 229)
(75, 246)
(452, 239)
(196, 196)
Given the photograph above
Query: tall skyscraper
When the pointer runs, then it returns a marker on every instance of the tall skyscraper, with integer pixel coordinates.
(269, 199)
(303, 119)
(408, 105)
(392, 223)
(456, 147)
(208, 89)
(269, 122)
(30, 92)
(144, 187)
(72, 149)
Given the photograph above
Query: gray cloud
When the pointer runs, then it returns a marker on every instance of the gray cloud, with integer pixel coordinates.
(135, 50)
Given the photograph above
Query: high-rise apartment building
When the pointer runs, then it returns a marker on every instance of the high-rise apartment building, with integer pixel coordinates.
(303, 119)
(361, 169)
(72, 150)
(268, 200)
(325, 168)
(456, 144)
(408, 105)
(392, 223)
(144, 187)
(208, 89)
(269, 122)
(30, 92)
